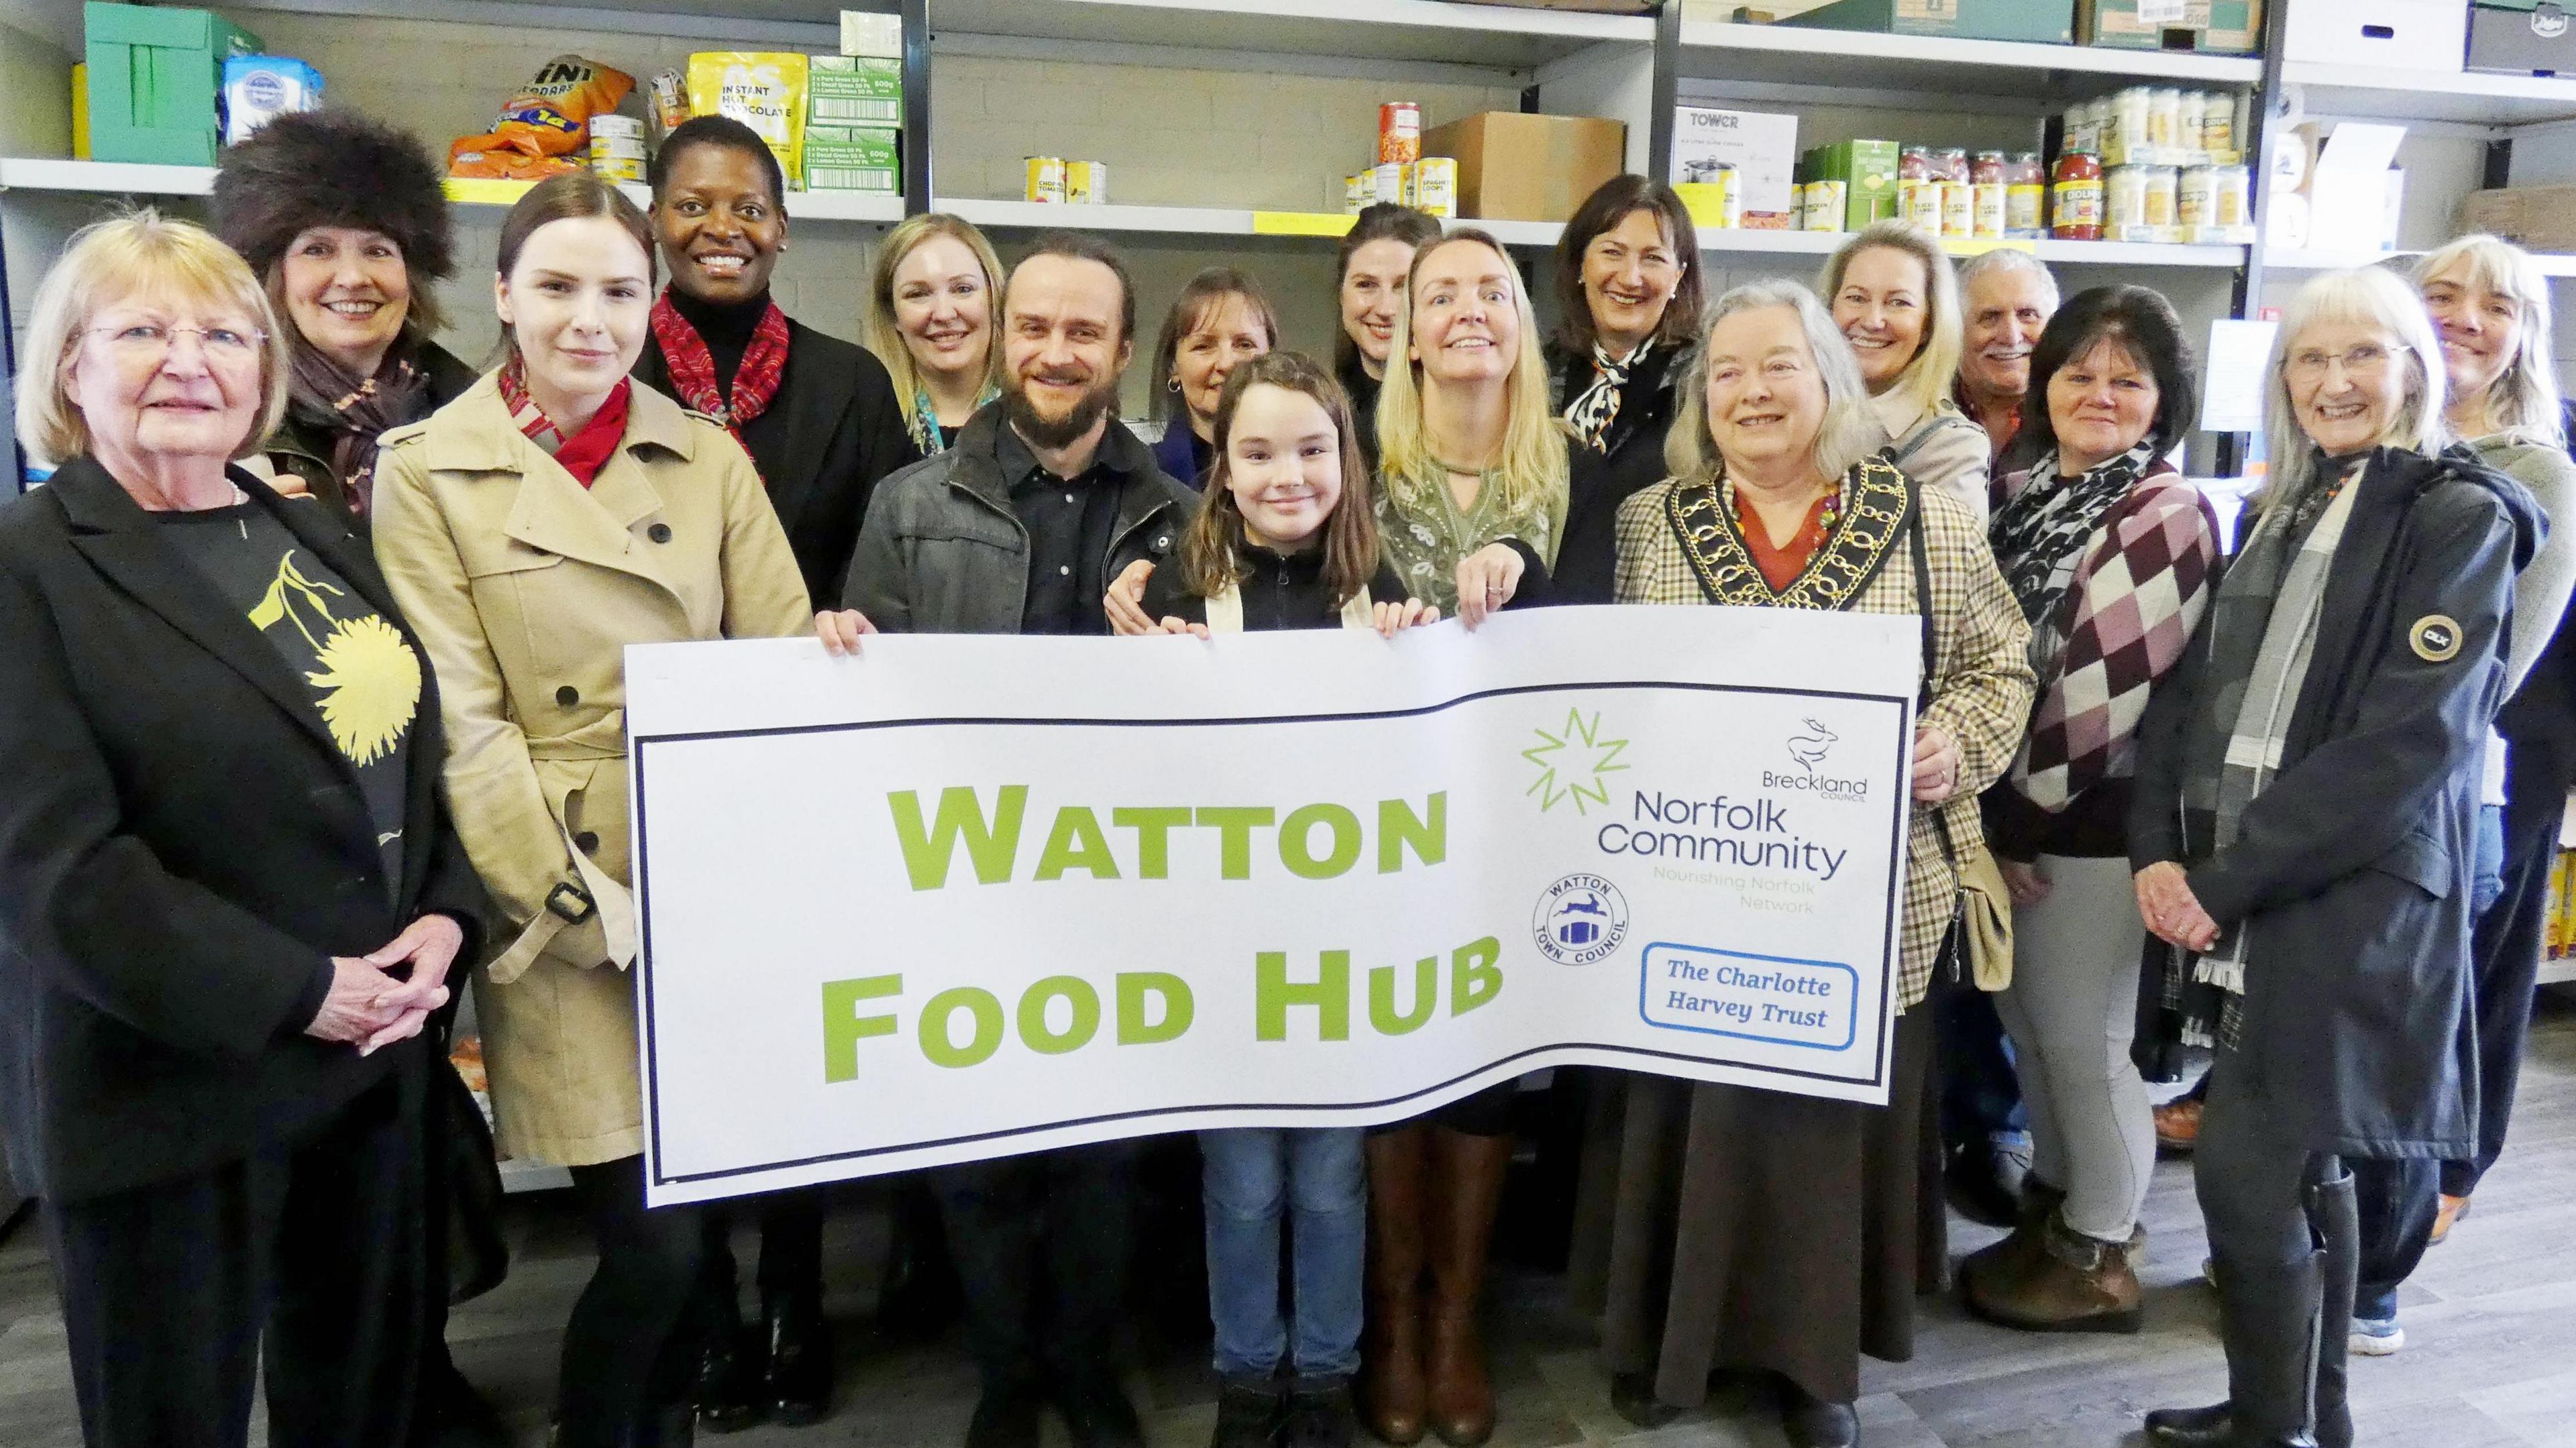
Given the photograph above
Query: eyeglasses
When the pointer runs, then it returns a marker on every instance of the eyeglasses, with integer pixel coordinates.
(2363, 362)
(150, 341)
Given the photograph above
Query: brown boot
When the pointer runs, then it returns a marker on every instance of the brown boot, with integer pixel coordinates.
(1467, 1173)
(2012, 1255)
(1392, 1393)
(2074, 1283)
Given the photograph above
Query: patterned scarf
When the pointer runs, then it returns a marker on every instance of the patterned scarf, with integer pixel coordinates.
(2261, 643)
(693, 368)
(2040, 532)
(1593, 410)
(354, 411)
(585, 452)
(924, 422)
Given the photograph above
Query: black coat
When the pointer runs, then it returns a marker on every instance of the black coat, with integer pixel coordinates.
(2354, 863)
(303, 450)
(182, 850)
(1600, 479)
(834, 429)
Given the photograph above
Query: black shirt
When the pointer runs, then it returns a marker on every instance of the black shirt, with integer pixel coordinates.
(364, 678)
(1363, 390)
(1069, 521)
(1278, 592)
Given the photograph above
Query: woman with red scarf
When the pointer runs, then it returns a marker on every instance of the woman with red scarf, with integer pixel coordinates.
(531, 530)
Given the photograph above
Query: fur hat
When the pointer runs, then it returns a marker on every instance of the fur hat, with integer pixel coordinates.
(333, 168)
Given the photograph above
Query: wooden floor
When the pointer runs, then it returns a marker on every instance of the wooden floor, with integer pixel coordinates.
(2490, 1321)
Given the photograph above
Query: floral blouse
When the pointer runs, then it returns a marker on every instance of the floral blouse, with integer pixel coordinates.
(1425, 533)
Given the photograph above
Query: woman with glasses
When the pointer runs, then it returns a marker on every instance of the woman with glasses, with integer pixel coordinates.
(2302, 835)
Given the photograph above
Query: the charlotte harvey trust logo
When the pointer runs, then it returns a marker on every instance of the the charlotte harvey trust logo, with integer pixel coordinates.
(1572, 761)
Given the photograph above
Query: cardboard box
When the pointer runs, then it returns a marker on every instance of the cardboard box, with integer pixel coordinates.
(1867, 170)
(2049, 22)
(1516, 167)
(853, 90)
(2419, 35)
(2535, 37)
(154, 75)
(865, 32)
(853, 158)
(1760, 145)
(2536, 218)
(2340, 190)
(2209, 27)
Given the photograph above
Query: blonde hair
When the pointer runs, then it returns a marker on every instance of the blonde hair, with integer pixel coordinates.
(1533, 464)
(2366, 296)
(885, 335)
(1926, 380)
(2524, 399)
(1850, 432)
(144, 254)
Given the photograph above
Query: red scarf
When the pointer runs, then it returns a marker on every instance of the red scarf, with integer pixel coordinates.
(585, 452)
(693, 370)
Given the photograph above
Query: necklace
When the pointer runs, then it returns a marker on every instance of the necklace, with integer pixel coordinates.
(1826, 518)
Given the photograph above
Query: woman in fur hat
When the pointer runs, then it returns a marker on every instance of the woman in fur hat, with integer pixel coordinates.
(346, 222)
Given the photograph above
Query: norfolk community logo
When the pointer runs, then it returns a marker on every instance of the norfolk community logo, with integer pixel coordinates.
(1572, 762)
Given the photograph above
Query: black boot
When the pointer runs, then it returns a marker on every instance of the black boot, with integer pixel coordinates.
(920, 1296)
(729, 1361)
(2336, 1213)
(1248, 1411)
(1808, 1421)
(798, 1385)
(2267, 1321)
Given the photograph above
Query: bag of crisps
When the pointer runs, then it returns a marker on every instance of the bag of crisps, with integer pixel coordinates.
(551, 116)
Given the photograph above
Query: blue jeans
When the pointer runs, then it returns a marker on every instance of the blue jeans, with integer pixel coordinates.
(1317, 1173)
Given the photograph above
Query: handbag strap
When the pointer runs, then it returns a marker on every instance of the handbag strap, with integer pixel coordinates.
(1931, 656)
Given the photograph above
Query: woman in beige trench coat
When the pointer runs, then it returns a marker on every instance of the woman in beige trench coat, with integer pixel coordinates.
(550, 516)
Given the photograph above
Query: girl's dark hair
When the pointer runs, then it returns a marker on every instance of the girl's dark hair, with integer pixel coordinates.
(571, 197)
(1379, 221)
(1211, 559)
(725, 133)
(2142, 323)
(1199, 298)
(1617, 199)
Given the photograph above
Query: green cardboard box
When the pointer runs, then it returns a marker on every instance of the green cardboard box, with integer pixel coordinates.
(853, 158)
(2208, 27)
(853, 90)
(2049, 22)
(154, 76)
(1867, 170)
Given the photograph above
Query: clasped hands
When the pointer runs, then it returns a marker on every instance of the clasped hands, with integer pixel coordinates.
(370, 1007)
(2172, 912)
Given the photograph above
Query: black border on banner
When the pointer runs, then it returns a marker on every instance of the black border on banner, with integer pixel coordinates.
(1890, 964)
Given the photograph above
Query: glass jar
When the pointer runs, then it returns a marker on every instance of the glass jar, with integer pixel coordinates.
(2230, 196)
(2164, 117)
(2161, 197)
(2124, 200)
(2076, 197)
(1950, 163)
(2218, 125)
(1914, 163)
(2125, 131)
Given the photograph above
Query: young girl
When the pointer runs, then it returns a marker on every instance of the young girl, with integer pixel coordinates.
(1284, 539)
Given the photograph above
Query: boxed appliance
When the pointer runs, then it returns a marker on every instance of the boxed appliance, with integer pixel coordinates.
(2209, 27)
(853, 90)
(2522, 37)
(2049, 22)
(2420, 35)
(852, 158)
(1760, 147)
(154, 78)
(1518, 167)
(2536, 218)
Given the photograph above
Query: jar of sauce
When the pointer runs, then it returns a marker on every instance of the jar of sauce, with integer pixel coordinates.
(2076, 197)
(2025, 196)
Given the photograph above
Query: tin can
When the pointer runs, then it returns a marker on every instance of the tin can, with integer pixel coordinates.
(1958, 209)
(1387, 182)
(1086, 183)
(1827, 203)
(1358, 190)
(1921, 202)
(616, 148)
(1434, 188)
(617, 168)
(1992, 205)
(1045, 178)
(1399, 132)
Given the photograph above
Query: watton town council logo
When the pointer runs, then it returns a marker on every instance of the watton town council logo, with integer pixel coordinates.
(1572, 761)
(1580, 919)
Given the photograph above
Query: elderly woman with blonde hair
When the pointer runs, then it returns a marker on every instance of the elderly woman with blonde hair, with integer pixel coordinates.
(1896, 301)
(230, 892)
(1753, 1229)
(2301, 832)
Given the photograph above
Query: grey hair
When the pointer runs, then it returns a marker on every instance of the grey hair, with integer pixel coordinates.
(2005, 259)
(2524, 400)
(2368, 296)
(1850, 432)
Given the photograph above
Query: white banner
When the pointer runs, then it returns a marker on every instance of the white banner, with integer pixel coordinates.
(969, 896)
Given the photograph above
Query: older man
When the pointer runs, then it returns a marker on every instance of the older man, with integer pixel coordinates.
(2006, 299)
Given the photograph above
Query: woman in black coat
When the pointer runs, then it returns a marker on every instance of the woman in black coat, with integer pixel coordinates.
(229, 893)
(2307, 787)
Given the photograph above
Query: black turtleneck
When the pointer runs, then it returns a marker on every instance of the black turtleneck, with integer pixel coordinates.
(726, 328)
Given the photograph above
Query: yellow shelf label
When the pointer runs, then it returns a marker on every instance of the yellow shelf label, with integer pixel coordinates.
(484, 191)
(1301, 223)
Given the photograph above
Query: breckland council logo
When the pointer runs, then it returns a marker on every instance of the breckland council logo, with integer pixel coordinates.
(1572, 761)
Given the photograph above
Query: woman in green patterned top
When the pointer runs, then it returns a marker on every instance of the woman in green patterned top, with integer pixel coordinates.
(1472, 473)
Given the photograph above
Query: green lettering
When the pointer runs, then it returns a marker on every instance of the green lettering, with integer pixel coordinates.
(1294, 837)
(1234, 850)
(1077, 1032)
(1153, 829)
(1135, 989)
(1473, 978)
(1426, 997)
(1398, 826)
(844, 1027)
(935, 1041)
(992, 845)
(1329, 994)
(1076, 844)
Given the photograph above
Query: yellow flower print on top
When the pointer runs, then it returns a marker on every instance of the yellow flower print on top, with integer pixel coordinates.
(370, 678)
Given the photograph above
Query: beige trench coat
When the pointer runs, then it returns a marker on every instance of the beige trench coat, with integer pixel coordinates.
(525, 588)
